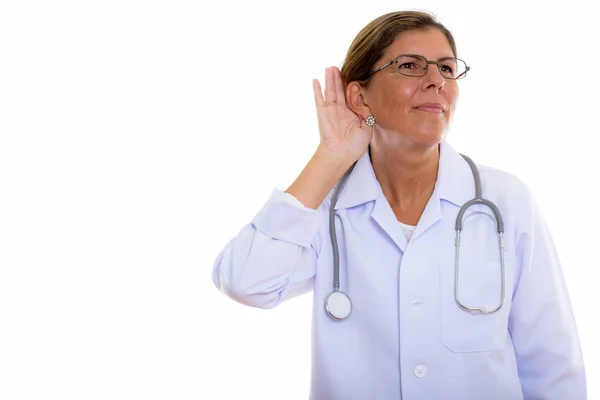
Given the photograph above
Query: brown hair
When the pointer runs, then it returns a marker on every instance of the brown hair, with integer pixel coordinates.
(370, 43)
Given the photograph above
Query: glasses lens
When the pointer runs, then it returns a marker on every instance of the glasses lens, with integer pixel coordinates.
(414, 65)
(452, 68)
(411, 65)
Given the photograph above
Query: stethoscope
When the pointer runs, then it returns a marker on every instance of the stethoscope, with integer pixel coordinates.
(338, 304)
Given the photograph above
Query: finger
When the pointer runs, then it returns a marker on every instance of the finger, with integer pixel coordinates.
(339, 86)
(330, 94)
(318, 93)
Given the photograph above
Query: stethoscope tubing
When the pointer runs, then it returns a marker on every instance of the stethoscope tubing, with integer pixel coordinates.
(477, 200)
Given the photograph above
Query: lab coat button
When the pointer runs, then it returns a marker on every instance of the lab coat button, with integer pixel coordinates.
(420, 371)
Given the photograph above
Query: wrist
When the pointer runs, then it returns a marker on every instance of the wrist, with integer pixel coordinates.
(334, 159)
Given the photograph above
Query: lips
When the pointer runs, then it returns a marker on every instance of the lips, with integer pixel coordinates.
(435, 108)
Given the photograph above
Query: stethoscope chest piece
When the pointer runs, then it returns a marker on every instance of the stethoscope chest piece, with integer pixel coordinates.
(338, 305)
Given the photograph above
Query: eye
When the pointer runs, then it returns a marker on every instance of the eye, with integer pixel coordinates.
(446, 68)
(407, 65)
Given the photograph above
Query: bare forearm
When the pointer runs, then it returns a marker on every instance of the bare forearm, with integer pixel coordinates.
(318, 177)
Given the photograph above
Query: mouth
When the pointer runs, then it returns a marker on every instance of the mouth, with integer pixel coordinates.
(434, 108)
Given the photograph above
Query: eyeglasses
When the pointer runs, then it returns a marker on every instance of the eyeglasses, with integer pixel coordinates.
(416, 66)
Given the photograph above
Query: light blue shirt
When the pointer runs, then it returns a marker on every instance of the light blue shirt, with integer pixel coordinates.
(406, 337)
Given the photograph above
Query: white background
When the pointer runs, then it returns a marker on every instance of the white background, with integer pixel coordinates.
(138, 137)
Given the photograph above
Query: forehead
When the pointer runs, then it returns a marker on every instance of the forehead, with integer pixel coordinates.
(430, 43)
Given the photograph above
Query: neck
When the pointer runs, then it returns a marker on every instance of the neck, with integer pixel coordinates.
(407, 175)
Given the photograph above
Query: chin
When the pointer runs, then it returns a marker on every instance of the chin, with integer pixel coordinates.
(430, 138)
(428, 133)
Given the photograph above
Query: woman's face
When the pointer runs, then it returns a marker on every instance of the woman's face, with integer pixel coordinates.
(399, 102)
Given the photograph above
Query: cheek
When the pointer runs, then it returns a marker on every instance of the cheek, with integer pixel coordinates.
(452, 97)
(399, 97)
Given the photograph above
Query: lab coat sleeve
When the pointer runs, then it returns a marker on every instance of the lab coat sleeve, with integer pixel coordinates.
(542, 323)
(274, 257)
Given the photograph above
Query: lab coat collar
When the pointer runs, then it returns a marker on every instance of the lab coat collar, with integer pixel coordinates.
(362, 185)
(454, 182)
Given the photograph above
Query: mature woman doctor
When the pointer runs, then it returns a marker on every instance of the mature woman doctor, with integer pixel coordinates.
(415, 296)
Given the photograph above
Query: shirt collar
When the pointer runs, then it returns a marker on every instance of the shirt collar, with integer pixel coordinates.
(454, 182)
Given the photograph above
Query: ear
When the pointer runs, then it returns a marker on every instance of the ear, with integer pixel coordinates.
(356, 99)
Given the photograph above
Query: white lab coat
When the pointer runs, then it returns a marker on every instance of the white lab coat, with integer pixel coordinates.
(406, 337)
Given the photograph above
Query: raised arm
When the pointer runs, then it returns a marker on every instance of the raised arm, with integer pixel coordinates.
(274, 257)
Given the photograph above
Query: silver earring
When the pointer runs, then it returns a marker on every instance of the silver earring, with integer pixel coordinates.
(370, 120)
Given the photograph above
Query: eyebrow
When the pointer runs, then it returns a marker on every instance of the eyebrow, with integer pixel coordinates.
(419, 55)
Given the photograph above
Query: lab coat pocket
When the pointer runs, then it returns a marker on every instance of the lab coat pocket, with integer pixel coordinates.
(479, 286)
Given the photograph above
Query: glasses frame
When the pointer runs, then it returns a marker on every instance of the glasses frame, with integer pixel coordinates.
(427, 62)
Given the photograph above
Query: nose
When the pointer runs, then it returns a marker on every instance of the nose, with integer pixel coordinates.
(433, 77)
